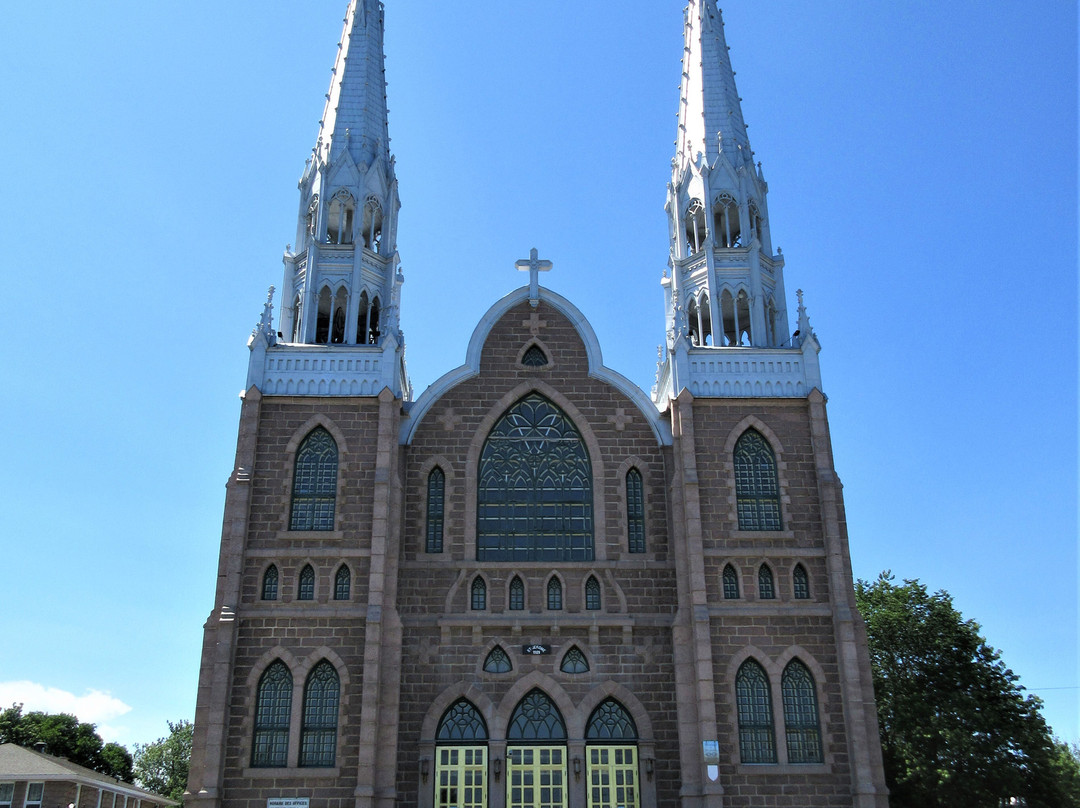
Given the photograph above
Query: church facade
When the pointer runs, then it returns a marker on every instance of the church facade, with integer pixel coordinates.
(534, 584)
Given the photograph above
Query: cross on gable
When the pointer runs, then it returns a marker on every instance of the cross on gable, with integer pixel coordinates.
(535, 266)
(449, 420)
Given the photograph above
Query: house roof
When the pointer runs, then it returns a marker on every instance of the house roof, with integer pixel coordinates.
(18, 762)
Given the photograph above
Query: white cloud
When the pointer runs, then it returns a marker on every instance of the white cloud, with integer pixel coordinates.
(93, 706)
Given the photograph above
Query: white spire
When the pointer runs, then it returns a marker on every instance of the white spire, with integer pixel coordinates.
(710, 112)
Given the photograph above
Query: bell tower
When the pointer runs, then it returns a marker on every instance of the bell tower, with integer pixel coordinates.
(725, 302)
(338, 331)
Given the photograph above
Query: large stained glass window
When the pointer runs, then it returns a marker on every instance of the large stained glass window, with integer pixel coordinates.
(757, 490)
(535, 488)
(315, 483)
(273, 703)
(318, 733)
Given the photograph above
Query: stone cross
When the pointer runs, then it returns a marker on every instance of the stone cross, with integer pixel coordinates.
(535, 267)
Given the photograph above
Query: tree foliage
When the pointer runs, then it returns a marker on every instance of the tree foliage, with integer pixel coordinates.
(162, 766)
(65, 736)
(956, 728)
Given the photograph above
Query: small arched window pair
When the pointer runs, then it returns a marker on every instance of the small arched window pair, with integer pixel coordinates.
(757, 736)
(273, 707)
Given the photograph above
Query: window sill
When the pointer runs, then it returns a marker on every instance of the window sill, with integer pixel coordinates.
(772, 769)
(763, 534)
(291, 771)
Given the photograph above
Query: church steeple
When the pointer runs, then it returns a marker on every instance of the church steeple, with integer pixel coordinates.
(342, 282)
(725, 290)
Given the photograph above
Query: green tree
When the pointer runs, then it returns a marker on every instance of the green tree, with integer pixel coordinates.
(956, 728)
(162, 766)
(67, 737)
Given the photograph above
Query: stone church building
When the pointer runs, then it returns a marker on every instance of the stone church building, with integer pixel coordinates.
(534, 585)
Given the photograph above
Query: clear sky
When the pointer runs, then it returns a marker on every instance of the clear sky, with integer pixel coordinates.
(922, 163)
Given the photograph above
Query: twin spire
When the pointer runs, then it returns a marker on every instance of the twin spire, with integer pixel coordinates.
(342, 282)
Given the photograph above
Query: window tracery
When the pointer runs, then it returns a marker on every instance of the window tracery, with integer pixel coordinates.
(757, 489)
(753, 697)
(314, 492)
(801, 722)
(270, 583)
(342, 583)
(497, 661)
(273, 703)
(534, 487)
(731, 583)
(574, 661)
(318, 731)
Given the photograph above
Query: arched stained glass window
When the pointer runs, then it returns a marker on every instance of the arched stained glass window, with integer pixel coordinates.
(436, 493)
(273, 704)
(731, 583)
(478, 599)
(574, 662)
(592, 594)
(536, 718)
(534, 501)
(610, 722)
(534, 357)
(517, 594)
(497, 661)
(318, 733)
(801, 714)
(306, 588)
(462, 723)
(554, 594)
(315, 482)
(766, 590)
(800, 583)
(270, 583)
(757, 490)
(342, 583)
(757, 739)
(635, 511)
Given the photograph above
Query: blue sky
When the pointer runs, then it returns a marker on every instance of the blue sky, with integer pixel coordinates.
(922, 162)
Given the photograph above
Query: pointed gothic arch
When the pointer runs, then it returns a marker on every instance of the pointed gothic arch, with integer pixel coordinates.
(726, 224)
(340, 218)
(534, 487)
(315, 480)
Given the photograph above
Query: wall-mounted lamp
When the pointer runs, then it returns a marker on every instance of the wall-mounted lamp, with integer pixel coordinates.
(496, 766)
(648, 768)
(577, 768)
(425, 768)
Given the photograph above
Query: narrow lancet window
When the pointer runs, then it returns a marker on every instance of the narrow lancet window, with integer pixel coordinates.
(362, 320)
(554, 594)
(306, 588)
(731, 583)
(800, 583)
(635, 511)
(436, 490)
(766, 589)
(695, 227)
(270, 583)
(592, 594)
(478, 595)
(373, 225)
(517, 594)
(342, 583)
(726, 221)
(339, 227)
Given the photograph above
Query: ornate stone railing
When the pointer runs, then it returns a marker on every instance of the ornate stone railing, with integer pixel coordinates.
(751, 372)
(323, 370)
